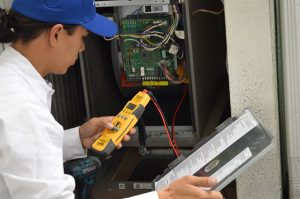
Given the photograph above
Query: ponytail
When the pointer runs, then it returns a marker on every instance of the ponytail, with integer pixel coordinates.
(7, 32)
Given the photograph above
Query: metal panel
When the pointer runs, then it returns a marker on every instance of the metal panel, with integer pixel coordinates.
(206, 57)
(290, 21)
(68, 106)
(131, 3)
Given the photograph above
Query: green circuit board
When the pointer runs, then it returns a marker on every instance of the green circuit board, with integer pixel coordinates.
(139, 63)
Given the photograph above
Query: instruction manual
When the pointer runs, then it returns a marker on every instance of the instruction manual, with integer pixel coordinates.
(235, 145)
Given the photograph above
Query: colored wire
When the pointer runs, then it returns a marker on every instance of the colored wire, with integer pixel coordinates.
(165, 126)
(208, 11)
(128, 40)
(171, 77)
(174, 118)
(159, 39)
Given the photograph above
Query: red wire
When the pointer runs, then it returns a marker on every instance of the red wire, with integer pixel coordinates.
(174, 118)
(166, 128)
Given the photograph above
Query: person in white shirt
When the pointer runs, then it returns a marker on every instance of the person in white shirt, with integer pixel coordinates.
(46, 37)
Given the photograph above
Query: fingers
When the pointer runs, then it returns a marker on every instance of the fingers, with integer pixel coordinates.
(132, 131)
(106, 122)
(201, 181)
(102, 121)
(190, 187)
(126, 138)
(204, 182)
(119, 145)
(213, 195)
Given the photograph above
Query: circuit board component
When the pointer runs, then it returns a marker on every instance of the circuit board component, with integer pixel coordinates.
(141, 63)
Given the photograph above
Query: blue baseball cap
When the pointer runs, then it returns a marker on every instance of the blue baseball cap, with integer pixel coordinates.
(72, 12)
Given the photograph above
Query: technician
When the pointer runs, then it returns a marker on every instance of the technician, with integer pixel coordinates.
(46, 37)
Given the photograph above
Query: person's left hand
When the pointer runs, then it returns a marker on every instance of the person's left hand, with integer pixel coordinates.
(92, 129)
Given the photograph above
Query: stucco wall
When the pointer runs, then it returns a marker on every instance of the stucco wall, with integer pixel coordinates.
(252, 74)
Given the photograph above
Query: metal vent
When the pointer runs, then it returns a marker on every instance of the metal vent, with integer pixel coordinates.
(68, 106)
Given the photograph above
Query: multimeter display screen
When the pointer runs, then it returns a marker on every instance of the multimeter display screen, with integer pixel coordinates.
(130, 106)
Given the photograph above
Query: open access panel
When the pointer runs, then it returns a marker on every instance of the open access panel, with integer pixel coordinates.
(177, 50)
(174, 50)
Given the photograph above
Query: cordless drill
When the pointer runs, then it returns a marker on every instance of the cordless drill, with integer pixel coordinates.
(84, 171)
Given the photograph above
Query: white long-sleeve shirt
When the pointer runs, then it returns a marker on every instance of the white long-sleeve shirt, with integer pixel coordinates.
(33, 145)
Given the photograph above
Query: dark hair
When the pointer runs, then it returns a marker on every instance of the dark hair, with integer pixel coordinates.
(15, 26)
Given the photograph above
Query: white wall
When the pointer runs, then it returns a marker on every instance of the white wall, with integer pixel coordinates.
(253, 83)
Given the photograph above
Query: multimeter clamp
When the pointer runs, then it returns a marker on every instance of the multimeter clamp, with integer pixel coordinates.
(123, 122)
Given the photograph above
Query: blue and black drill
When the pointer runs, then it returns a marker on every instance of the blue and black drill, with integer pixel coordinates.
(84, 171)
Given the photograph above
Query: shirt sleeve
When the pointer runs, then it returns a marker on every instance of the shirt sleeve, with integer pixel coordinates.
(72, 147)
(149, 195)
(31, 158)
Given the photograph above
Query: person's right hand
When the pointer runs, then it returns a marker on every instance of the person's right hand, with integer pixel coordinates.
(93, 128)
(189, 187)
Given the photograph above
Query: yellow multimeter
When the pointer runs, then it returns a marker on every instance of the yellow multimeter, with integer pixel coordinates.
(122, 123)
